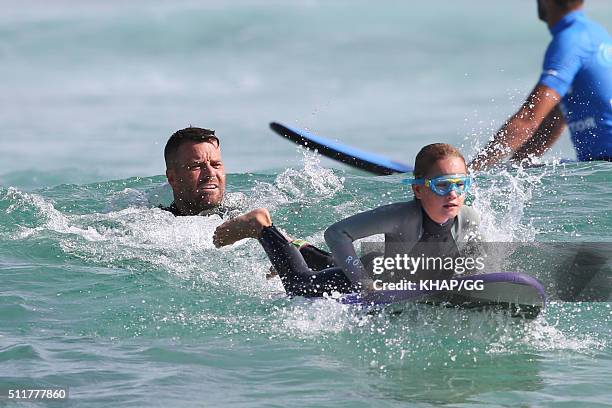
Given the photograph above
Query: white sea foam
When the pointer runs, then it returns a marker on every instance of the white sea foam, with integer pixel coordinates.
(310, 183)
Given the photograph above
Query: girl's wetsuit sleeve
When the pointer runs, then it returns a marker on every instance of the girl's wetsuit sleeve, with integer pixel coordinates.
(340, 236)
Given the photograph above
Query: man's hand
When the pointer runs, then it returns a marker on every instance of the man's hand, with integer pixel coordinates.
(248, 225)
(520, 128)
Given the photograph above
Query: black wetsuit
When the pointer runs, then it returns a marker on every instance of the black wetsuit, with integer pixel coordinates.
(172, 209)
(309, 271)
(220, 210)
(436, 241)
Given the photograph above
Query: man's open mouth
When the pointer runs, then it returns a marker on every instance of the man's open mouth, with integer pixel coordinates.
(209, 187)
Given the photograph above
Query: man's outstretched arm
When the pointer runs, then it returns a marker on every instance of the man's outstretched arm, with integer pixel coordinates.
(547, 134)
(519, 128)
(247, 225)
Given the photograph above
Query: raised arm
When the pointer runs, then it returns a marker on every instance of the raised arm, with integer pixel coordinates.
(520, 128)
(547, 134)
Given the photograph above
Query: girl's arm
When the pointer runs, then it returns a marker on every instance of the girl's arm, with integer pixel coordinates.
(340, 236)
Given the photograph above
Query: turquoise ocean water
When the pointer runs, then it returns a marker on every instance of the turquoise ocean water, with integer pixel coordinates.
(128, 306)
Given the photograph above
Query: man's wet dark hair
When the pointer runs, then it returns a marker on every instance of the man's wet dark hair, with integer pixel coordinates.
(568, 4)
(188, 134)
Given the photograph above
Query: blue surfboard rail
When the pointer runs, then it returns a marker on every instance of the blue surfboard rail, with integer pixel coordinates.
(349, 155)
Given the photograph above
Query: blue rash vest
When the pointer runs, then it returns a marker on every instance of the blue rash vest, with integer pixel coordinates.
(578, 65)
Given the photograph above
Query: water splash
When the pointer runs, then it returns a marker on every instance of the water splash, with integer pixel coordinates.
(311, 183)
(501, 200)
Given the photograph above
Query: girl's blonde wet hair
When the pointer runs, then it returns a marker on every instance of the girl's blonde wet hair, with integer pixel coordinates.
(430, 154)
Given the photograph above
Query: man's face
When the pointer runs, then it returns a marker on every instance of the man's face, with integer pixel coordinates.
(198, 176)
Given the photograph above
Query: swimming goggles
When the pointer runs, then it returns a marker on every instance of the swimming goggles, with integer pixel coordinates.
(443, 185)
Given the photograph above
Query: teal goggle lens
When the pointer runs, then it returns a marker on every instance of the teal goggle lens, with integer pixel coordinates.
(443, 185)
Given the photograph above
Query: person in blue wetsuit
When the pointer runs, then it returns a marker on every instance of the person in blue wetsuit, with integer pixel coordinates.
(575, 88)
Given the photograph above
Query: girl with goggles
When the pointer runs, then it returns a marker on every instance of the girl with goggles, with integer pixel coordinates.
(443, 185)
(435, 221)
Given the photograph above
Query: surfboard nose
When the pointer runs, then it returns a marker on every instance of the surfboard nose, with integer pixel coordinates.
(370, 162)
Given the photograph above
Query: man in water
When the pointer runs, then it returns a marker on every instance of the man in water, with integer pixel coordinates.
(575, 88)
(195, 171)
